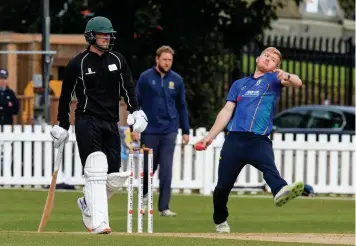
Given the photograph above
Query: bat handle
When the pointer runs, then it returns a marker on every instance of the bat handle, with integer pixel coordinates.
(59, 157)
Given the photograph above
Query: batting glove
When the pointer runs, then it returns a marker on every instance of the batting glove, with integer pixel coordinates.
(59, 136)
(138, 120)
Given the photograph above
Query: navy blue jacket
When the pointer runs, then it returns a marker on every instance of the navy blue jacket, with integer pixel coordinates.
(9, 106)
(163, 101)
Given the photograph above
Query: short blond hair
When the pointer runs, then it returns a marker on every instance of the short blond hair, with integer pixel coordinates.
(164, 49)
(273, 50)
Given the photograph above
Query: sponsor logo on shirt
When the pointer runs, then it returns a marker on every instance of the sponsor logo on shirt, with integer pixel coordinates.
(258, 82)
(251, 94)
(89, 72)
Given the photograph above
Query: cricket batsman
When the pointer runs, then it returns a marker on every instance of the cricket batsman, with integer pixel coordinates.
(248, 115)
(98, 77)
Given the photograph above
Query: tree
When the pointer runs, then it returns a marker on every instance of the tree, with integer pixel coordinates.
(207, 36)
(202, 32)
(348, 6)
(24, 16)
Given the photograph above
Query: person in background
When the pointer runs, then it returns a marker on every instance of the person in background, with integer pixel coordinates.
(161, 94)
(9, 104)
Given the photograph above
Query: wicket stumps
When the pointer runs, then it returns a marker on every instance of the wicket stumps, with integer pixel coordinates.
(130, 189)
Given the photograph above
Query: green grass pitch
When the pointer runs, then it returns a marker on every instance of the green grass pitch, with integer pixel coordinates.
(21, 210)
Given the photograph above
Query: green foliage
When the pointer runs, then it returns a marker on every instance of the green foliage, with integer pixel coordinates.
(348, 6)
(202, 32)
(25, 16)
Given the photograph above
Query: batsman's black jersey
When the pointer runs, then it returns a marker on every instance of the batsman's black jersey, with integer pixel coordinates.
(98, 82)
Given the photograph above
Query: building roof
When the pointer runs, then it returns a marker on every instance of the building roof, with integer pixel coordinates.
(11, 37)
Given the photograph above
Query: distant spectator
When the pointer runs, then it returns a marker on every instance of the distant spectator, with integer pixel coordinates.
(127, 143)
(9, 104)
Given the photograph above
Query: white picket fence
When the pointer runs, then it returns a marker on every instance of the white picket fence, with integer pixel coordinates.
(27, 158)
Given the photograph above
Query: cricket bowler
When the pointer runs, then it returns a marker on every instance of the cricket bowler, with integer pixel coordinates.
(248, 115)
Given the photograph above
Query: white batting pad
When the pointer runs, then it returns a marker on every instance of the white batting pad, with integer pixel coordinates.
(115, 181)
(95, 175)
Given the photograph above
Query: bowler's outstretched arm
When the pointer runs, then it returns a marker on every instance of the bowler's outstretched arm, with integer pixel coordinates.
(222, 119)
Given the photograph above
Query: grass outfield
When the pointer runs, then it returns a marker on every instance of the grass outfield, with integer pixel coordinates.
(21, 212)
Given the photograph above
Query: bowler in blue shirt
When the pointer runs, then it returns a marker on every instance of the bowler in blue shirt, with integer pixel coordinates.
(248, 116)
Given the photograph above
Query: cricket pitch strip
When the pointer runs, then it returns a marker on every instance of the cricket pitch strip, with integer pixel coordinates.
(319, 238)
(316, 238)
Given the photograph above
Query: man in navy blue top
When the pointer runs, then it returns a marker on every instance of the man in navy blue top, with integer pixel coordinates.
(248, 115)
(161, 95)
(9, 104)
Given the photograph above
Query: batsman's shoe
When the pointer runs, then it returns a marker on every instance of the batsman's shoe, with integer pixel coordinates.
(85, 213)
(288, 193)
(167, 213)
(102, 229)
(223, 228)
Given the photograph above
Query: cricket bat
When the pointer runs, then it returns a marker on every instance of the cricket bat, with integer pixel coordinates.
(51, 192)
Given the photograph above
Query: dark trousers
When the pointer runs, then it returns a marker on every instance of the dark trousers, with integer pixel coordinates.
(239, 149)
(94, 134)
(163, 150)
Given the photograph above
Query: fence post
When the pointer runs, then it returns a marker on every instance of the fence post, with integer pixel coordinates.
(350, 58)
(208, 169)
(312, 81)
